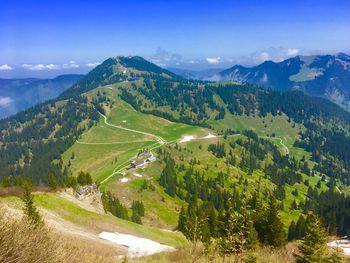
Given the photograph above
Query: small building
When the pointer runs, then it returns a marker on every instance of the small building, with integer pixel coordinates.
(151, 159)
(138, 164)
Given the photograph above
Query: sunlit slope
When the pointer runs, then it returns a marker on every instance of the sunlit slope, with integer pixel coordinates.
(61, 213)
(103, 148)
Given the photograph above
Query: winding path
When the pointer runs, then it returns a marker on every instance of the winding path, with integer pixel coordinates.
(281, 142)
(119, 168)
(158, 138)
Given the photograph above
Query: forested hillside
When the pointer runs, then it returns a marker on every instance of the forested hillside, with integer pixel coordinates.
(289, 157)
(32, 141)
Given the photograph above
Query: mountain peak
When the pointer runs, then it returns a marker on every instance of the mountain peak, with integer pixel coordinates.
(343, 56)
(117, 69)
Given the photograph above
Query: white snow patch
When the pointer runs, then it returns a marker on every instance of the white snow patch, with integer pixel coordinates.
(137, 247)
(124, 180)
(186, 138)
(209, 136)
(343, 244)
(137, 175)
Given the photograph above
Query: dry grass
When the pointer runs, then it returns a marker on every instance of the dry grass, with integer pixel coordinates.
(186, 254)
(21, 243)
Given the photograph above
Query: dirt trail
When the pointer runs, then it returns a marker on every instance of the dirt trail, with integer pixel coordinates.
(158, 138)
(286, 149)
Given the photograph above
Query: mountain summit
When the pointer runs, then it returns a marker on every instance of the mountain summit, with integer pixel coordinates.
(117, 69)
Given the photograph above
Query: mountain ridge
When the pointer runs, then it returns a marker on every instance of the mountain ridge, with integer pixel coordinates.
(325, 76)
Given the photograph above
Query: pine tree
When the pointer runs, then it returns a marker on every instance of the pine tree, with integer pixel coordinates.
(313, 248)
(30, 211)
(181, 224)
(291, 231)
(168, 178)
(84, 178)
(72, 182)
(136, 218)
(300, 227)
(294, 205)
(52, 182)
(275, 233)
(105, 202)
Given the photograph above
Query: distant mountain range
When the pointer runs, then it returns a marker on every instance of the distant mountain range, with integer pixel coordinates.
(20, 94)
(325, 76)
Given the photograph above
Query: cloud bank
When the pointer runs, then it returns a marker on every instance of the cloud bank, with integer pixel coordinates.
(92, 64)
(213, 60)
(40, 66)
(5, 101)
(5, 67)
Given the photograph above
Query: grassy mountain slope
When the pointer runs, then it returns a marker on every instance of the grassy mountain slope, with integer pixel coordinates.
(241, 141)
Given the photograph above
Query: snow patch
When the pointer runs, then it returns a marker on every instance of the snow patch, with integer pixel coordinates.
(124, 180)
(186, 138)
(209, 136)
(343, 244)
(137, 247)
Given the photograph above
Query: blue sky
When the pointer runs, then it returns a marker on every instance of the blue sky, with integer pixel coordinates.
(47, 38)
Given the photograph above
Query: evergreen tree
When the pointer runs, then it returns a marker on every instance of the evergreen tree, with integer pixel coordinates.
(84, 178)
(72, 182)
(136, 218)
(275, 235)
(300, 227)
(294, 205)
(168, 178)
(52, 182)
(313, 247)
(291, 231)
(30, 211)
(181, 223)
(105, 203)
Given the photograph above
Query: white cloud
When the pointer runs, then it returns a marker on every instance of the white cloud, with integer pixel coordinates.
(264, 56)
(292, 51)
(40, 66)
(5, 67)
(164, 58)
(70, 64)
(92, 64)
(5, 101)
(213, 60)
